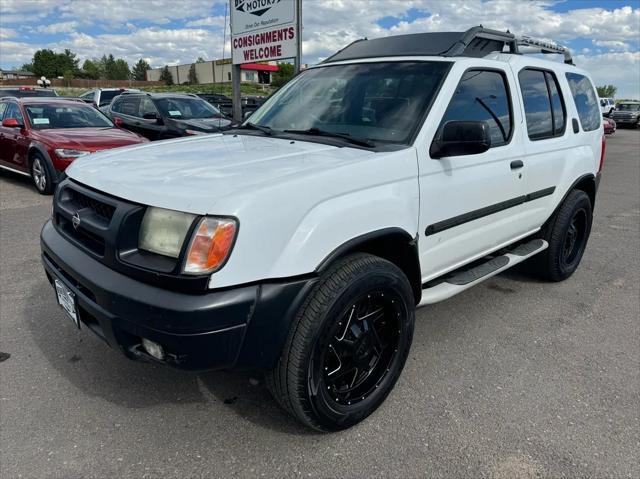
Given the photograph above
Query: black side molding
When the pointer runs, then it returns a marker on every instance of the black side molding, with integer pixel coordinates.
(486, 211)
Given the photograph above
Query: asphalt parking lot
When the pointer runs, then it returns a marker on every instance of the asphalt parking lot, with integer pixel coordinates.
(513, 379)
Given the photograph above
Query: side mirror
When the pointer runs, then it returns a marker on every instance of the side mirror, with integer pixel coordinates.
(11, 123)
(458, 138)
(150, 116)
(118, 121)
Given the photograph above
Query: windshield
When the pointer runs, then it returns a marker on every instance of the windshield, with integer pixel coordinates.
(628, 107)
(47, 116)
(374, 101)
(107, 95)
(186, 108)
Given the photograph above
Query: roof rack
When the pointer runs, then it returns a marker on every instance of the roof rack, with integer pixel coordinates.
(540, 46)
(475, 42)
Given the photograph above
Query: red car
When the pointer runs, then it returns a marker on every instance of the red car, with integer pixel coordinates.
(609, 125)
(40, 137)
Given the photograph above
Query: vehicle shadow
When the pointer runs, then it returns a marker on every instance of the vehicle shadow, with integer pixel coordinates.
(16, 179)
(98, 370)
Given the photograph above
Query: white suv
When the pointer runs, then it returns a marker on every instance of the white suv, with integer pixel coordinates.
(396, 174)
(607, 106)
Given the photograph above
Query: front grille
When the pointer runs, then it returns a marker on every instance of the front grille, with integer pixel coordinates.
(100, 208)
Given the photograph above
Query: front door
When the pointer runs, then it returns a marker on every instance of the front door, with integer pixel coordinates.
(471, 205)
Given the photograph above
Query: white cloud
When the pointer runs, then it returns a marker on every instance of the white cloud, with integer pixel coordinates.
(621, 69)
(328, 25)
(62, 27)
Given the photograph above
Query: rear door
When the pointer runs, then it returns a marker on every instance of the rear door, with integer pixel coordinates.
(471, 205)
(563, 136)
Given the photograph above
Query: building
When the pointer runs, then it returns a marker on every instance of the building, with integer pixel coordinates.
(15, 75)
(218, 71)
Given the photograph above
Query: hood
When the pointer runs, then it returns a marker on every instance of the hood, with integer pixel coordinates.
(191, 174)
(91, 139)
(204, 124)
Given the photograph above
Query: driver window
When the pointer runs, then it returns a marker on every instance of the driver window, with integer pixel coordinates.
(482, 95)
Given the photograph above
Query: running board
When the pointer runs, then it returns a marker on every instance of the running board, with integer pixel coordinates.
(460, 280)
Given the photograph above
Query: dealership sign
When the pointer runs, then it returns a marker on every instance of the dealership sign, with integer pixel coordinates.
(263, 30)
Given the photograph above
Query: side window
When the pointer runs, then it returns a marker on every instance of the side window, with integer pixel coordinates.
(586, 101)
(557, 104)
(146, 106)
(3, 107)
(13, 111)
(129, 106)
(116, 105)
(483, 95)
(543, 105)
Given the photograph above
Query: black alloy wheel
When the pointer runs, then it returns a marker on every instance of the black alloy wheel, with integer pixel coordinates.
(348, 344)
(361, 348)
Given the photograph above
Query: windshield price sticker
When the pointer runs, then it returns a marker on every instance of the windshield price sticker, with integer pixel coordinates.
(175, 113)
(41, 121)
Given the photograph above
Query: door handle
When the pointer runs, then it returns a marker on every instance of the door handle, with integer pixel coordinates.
(515, 164)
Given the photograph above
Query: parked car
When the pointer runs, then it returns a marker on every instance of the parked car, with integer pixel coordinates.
(609, 126)
(627, 114)
(249, 104)
(397, 173)
(41, 137)
(221, 102)
(159, 116)
(27, 91)
(607, 106)
(101, 97)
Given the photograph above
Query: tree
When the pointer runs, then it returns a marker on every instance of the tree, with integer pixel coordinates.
(51, 64)
(165, 76)
(139, 71)
(27, 67)
(120, 70)
(607, 91)
(193, 76)
(201, 60)
(91, 69)
(283, 75)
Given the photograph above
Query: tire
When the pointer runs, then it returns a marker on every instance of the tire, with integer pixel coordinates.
(41, 175)
(358, 319)
(567, 233)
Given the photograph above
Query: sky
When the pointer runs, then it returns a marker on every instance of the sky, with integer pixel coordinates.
(604, 35)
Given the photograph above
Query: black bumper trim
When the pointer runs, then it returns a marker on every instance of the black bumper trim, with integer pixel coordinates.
(243, 327)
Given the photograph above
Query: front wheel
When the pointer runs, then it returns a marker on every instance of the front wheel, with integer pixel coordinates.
(41, 175)
(348, 344)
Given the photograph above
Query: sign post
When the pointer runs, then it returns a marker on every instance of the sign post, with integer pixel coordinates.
(262, 31)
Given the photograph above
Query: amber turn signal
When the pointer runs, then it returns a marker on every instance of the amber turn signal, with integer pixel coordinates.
(210, 245)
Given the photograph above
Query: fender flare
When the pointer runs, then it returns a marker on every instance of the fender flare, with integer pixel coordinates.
(586, 177)
(34, 146)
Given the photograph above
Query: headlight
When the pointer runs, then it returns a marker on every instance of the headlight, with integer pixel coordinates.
(210, 245)
(164, 231)
(70, 153)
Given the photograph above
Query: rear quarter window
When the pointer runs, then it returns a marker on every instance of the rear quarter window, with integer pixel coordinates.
(586, 100)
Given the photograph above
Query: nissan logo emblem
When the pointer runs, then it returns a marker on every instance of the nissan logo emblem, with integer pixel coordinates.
(75, 220)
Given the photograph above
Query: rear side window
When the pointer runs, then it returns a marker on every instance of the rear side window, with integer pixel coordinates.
(543, 105)
(586, 101)
(482, 95)
(3, 107)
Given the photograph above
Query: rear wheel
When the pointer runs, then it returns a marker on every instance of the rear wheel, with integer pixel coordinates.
(41, 175)
(567, 234)
(348, 344)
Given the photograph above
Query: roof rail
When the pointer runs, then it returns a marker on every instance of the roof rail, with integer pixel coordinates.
(545, 47)
(475, 42)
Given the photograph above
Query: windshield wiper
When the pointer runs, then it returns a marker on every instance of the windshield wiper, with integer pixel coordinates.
(345, 136)
(267, 130)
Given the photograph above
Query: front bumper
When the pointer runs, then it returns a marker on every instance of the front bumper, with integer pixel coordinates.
(237, 328)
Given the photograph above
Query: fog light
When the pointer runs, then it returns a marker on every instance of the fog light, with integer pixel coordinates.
(153, 348)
